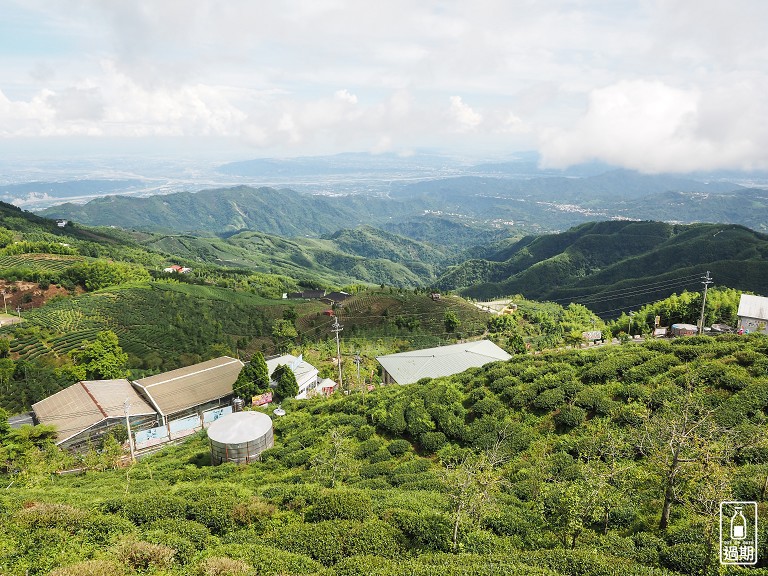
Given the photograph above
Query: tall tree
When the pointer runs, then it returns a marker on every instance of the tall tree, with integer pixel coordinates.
(451, 321)
(283, 331)
(102, 358)
(253, 378)
(287, 387)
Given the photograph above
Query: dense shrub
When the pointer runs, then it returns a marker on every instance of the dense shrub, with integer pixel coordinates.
(44, 515)
(214, 512)
(253, 510)
(364, 564)
(684, 558)
(368, 447)
(298, 457)
(330, 541)
(431, 442)
(595, 401)
(633, 414)
(183, 549)
(292, 496)
(141, 555)
(189, 529)
(569, 416)
(91, 568)
(265, 560)
(549, 399)
(364, 432)
(662, 395)
(102, 529)
(341, 505)
(145, 508)
(223, 566)
(381, 455)
(399, 447)
(374, 469)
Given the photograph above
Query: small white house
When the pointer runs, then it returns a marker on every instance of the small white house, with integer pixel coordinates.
(176, 269)
(306, 374)
(753, 313)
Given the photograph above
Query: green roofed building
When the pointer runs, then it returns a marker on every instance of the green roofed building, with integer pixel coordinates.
(410, 367)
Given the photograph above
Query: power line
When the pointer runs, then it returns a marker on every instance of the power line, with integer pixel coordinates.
(639, 288)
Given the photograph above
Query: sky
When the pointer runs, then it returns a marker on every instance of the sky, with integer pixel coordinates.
(656, 86)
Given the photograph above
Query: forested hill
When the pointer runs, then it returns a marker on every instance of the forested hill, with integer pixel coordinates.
(611, 265)
(282, 212)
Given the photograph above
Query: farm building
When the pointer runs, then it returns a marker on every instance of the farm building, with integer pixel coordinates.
(334, 298)
(85, 411)
(753, 313)
(190, 391)
(683, 330)
(306, 374)
(409, 367)
(326, 386)
(306, 295)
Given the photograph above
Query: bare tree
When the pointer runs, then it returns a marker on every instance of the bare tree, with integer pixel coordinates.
(473, 483)
(682, 439)
(335, 462)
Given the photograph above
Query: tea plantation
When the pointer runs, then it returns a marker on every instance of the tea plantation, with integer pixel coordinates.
(584, 462)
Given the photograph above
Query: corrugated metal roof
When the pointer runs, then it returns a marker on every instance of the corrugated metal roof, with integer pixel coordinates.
(85, 404)
(191, 386)
(409, 367)
(753, 307)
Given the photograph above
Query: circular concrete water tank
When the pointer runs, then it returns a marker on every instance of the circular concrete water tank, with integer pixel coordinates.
(240, 437)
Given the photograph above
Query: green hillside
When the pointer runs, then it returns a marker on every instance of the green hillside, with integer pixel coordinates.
(615, 265)
(268, 210)
(549, 465)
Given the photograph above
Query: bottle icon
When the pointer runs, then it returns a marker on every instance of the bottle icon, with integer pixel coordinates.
(738, 525)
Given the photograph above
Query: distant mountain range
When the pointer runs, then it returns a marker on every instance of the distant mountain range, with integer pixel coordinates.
(483, 237)
(546, 204)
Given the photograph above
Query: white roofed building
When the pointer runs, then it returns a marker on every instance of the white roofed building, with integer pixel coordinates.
(306, 374)
(753, 313)
(410, 367)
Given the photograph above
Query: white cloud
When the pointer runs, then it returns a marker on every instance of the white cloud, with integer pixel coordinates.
(653, 85)
(464, 117)
(653, 127)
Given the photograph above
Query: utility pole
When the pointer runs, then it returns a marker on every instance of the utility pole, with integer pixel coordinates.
(127, 407)
(338, 328)
(630, 322)
(706, 280)
(5, 302)
(358, 359)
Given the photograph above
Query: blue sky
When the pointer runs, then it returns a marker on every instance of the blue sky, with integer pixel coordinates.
(673, 85)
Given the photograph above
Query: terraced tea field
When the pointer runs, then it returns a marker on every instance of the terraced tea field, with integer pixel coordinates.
(168, 319)
(376, 313)
(39, 262)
